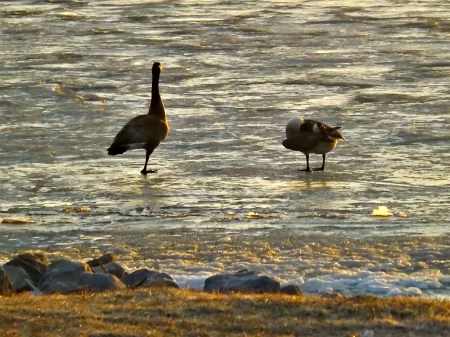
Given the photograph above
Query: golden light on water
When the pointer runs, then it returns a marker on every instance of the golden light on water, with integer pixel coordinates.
(256, 215)
(76, 209)
(17, 221)
(382, 211)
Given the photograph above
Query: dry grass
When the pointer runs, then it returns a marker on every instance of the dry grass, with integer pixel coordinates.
(168, 312)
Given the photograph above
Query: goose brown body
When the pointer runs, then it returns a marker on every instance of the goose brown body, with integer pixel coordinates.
(311, 136)
(144, 131)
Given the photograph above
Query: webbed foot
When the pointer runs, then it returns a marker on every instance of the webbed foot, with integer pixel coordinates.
(144, 172)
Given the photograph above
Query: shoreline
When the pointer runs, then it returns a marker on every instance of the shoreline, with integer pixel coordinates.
(183, 312)
(388, 266)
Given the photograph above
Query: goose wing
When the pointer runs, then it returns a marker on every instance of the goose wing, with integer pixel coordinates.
(143, 129)
(301, 142)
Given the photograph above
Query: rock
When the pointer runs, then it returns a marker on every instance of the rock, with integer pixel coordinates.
(34, 264)
(5, 284)
(291, 289)
(110, 257)
(148, 278)
(63, 288)
(20, 280)
(67, 265)
(111, 268)
(100, 282)
(242, 281)
(63, 271)
(158, 283)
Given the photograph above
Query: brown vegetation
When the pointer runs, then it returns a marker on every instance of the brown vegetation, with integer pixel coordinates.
(172, 312)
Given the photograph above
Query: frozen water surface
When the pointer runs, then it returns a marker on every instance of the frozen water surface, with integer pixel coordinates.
(228, 195)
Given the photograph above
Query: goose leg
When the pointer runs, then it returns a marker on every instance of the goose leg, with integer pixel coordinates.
(147, 156)
(323, 164)
(307, 169)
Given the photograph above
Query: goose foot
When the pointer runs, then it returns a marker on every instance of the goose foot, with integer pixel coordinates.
(312, 169)
(144, 172)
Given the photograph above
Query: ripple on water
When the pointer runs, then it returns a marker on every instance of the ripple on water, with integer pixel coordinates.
(234, 74)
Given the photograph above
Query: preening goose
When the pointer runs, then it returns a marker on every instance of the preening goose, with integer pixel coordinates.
(311, 136)
(144, 131)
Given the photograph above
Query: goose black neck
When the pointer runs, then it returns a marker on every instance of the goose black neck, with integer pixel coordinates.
(156, 98)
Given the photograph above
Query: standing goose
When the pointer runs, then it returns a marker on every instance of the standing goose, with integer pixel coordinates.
(311, 136)
(144, 131)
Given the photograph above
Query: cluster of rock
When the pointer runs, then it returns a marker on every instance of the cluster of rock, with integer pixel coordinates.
(33, 272)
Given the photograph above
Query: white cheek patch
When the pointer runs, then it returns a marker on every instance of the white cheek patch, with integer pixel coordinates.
(316, 129)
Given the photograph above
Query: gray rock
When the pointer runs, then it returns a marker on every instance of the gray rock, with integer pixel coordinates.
(62, 288)
(5, 284)
(65, 264)
(139, 277)
(111, 268)
(20, 280)
(110, 257)
(158, 283)
(243, 281)
(34, 264)
(100, 282)
(62, 271)
(291, 289)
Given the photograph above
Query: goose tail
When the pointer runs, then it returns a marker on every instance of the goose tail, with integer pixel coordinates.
(117, 149)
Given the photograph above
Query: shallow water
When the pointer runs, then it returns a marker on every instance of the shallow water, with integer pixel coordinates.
(73, 72)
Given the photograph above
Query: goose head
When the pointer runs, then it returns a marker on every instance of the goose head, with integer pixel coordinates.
(157, 67)
(330, 133)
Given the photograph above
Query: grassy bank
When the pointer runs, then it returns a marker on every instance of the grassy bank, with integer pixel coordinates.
(164, 312)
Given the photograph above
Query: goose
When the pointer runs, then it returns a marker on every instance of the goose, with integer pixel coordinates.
(144, 131)
(311, 136)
